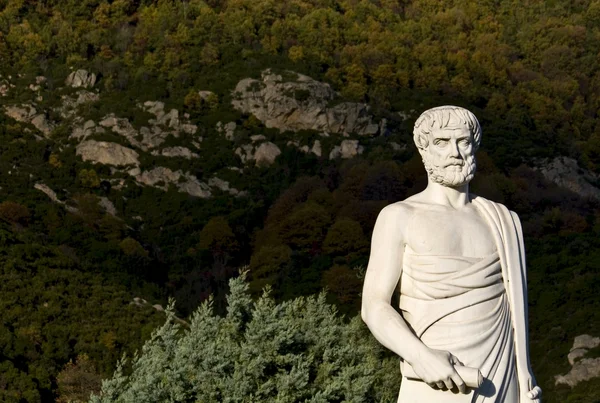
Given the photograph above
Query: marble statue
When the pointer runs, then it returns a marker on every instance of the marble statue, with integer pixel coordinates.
(459, 262)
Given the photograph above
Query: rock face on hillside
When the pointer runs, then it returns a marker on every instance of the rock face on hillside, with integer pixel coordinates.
(81, 78)
(107, 153)
(300, 103)
(582, 368)
(264, 154)
(162, 178)
(565, 172)
(347, 149)
(28, 114)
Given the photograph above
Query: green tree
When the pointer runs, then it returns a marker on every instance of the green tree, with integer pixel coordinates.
(218, 238)
(268, 265)
(305, 228)
(296, 351)
(346, 239)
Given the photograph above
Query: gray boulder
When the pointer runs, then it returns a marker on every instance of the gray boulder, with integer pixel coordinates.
(347, 149)
(103, 152)
(162, 178)
(177, 152)
(28, 114)
(300, 104)
(582, 368)
(228, 129)
(266, 153)
(81, 78)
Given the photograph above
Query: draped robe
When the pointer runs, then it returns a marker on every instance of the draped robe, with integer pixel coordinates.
(489, 291)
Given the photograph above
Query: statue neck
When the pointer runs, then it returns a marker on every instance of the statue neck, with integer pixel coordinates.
(454, 197)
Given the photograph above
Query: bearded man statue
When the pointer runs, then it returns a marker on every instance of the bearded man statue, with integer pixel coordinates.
(459, 263)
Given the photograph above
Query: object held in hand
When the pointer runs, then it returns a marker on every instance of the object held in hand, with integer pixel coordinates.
(472, 376)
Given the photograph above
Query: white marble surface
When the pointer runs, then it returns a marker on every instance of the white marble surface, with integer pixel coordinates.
(458, 260)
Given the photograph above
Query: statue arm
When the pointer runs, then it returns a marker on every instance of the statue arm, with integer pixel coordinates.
(383, 274)
(381, 279)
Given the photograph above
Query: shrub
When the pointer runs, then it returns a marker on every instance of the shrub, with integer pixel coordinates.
(296, 351)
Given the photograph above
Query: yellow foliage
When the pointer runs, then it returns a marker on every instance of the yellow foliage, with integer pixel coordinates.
(54, 160)
(296, 53)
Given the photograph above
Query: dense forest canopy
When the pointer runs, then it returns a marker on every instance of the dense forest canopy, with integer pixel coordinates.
(528, 69)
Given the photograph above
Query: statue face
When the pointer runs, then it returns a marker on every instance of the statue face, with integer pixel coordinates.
(450, 157)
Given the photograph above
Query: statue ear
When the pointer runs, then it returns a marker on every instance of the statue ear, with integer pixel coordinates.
(421, 141)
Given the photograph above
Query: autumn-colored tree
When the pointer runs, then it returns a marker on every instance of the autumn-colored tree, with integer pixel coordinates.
(78, 380)
(14, 213)
(89, 178)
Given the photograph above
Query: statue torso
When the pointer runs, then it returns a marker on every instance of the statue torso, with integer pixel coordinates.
(440, 230)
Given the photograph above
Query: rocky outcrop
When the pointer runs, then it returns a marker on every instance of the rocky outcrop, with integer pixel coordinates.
(49, 192)
(81, 78)
(4, 88)
(315, 149)
(566, 173)
(103, 152)
(227, 129)
(170, 120)
(82, 131)
(263, 155)
(347, 149)
(70, 103)
(160, 127)
(266, 153)
(176, 152)
(107, 206)
(52, 195)
(245, 152)
(224, 186)
(582, 368)
(162, 178)
(28, 114)
(300, 103)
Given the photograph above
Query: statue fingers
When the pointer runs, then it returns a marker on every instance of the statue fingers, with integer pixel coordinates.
(535, 393)
(460, 384)
(440, 384)
(449, 383)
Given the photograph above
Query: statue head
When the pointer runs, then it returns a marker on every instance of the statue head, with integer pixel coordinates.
(447, 138)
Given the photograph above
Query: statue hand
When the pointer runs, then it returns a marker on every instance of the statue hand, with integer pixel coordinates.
(436, 368)
(532, 395)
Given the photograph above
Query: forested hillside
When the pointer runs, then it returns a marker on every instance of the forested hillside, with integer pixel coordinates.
(153, 148)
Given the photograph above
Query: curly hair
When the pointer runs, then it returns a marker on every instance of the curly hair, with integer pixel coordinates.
(442, 117)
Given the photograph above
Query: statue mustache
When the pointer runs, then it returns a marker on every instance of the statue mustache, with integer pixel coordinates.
(452, 163)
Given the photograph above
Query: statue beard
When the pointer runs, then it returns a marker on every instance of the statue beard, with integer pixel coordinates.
(449, 176)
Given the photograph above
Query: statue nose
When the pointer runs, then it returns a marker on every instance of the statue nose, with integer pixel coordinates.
(454, 152)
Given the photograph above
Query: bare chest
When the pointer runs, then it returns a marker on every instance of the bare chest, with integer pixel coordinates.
(450, 232)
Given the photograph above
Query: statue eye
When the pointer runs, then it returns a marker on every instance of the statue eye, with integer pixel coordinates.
(440, 142)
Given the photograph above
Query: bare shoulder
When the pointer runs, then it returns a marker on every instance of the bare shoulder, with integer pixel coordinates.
(394, 218)
(397, 211)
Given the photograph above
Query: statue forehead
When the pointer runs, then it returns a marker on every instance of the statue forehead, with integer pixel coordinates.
(456, 131)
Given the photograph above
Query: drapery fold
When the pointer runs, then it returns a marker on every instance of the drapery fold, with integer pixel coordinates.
(470, 307)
